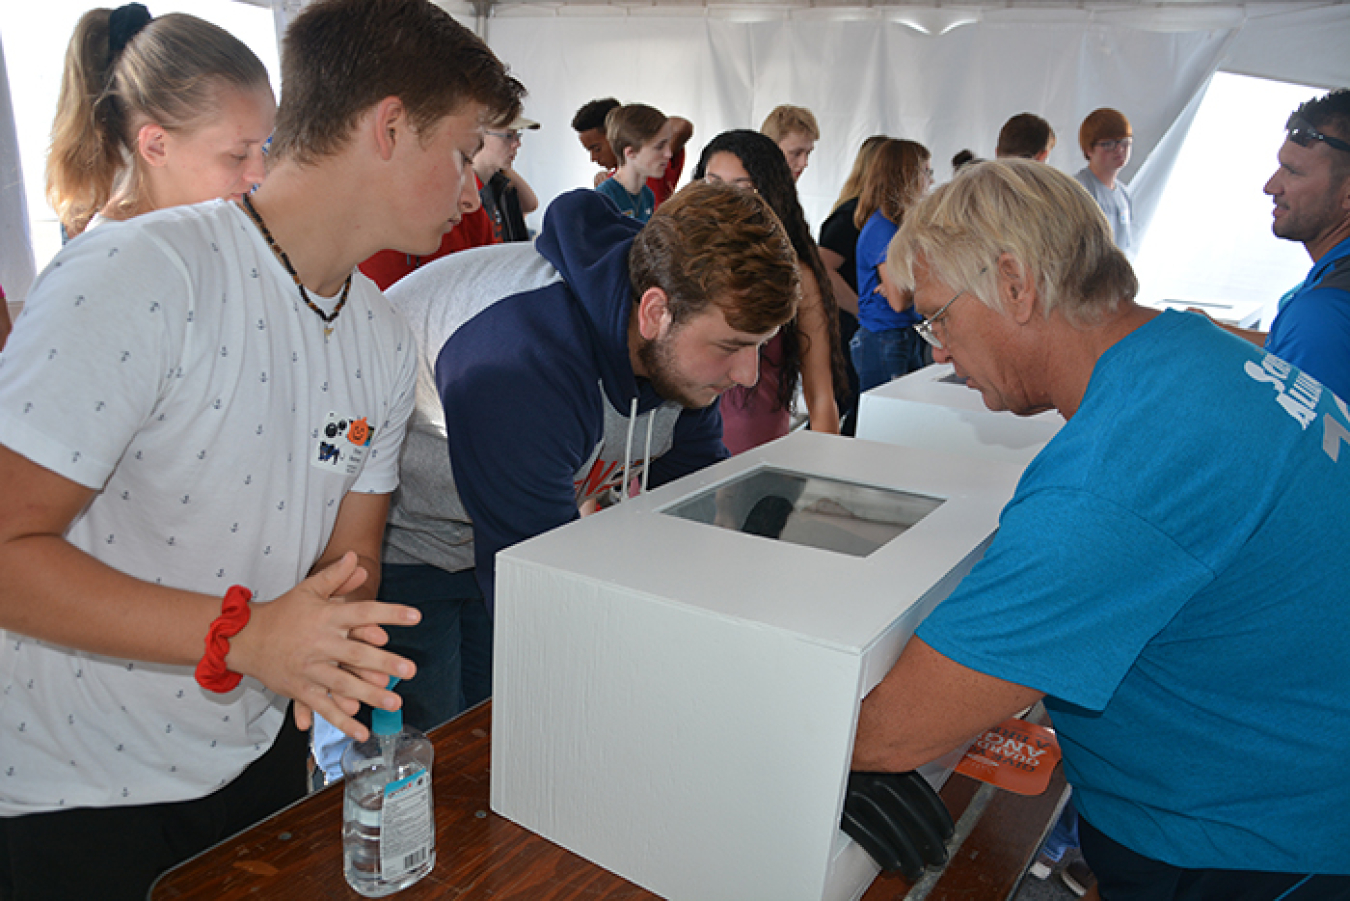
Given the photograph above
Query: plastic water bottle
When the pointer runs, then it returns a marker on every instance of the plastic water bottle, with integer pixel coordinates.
(388, 828)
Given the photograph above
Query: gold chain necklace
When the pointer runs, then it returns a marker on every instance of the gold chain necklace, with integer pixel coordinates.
(285, 261)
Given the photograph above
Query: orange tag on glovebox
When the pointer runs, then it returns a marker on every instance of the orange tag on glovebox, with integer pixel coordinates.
(1015, 755)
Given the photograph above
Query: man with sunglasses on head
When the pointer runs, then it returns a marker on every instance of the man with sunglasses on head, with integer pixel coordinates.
(1311, 191)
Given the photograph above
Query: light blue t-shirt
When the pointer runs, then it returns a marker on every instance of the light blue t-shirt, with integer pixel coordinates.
(1116, 203)
(1174, 572)
(640, 205)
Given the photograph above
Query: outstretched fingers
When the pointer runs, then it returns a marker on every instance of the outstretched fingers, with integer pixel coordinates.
(309, 645)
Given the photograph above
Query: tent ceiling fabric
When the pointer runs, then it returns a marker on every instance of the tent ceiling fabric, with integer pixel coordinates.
(944, 73)
(989, 5)
(904, 70)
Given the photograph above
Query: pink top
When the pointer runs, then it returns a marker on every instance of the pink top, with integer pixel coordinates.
(751, 416)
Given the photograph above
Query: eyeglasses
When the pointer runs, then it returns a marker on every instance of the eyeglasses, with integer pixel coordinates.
(925, 326)
(1303, 134)
(1126, 143)
(510, 137)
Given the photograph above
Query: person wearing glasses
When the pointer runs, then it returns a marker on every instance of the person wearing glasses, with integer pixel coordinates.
(1169, 576)
(506, 196)
(1311, 192)
(1106, 138)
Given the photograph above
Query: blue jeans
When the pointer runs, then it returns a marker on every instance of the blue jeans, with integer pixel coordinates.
(881, 356)
(1064, 837)
(452, 645)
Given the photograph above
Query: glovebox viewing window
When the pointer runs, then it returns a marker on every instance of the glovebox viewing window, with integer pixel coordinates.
(809, 510)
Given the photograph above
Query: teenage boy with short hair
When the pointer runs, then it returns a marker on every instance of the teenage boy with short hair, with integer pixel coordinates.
(539, 363)
(639, 135)
(795, 130)
(507, 196)
(1105, 138)
(1025, 136)
(589, 124)
(204, 401)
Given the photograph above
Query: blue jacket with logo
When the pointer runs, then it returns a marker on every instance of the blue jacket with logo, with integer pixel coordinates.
(1312, 330)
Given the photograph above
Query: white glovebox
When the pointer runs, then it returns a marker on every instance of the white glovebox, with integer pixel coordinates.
(675, 699)
(932, 409)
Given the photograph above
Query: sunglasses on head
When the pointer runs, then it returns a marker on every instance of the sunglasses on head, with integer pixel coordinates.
(1303, 134)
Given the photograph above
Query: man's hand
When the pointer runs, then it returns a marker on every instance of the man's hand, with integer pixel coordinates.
(313, 646)
(898, 820)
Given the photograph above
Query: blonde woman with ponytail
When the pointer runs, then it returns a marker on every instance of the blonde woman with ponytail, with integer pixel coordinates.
(154, 113)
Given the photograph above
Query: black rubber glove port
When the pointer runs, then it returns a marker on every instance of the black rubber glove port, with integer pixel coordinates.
(898, 820)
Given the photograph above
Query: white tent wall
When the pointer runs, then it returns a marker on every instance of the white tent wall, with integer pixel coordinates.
(862, 73)
(948, 79)
(1304, 46)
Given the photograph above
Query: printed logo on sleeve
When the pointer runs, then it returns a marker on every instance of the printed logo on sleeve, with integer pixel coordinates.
(343, 444)
(1298, 393)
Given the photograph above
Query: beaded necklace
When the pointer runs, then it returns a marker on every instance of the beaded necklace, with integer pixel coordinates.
(285, 261)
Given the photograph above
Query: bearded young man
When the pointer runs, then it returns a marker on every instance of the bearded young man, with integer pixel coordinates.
(559, 373)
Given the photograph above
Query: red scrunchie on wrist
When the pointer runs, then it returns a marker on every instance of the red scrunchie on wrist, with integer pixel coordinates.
(234, 613)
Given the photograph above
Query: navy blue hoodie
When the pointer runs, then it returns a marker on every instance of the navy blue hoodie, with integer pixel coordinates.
(532, 391)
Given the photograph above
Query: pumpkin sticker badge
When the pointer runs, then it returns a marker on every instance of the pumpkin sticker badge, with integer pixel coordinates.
(342, 444)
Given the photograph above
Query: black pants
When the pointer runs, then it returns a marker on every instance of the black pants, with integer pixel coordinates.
(115, 853)
(1123, 875)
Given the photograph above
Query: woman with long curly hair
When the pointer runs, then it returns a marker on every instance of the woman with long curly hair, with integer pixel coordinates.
(807, 348)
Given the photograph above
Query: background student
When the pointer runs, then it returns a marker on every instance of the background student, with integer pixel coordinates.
(885, 345)
(1105, 138)
(153, 114)
(794, 130)
(806, 349)
(640, 138)
(589, 124)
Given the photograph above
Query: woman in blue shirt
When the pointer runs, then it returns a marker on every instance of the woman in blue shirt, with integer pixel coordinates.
(885, 346)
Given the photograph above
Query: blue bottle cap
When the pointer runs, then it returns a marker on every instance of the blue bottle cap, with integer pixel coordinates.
(386, 722)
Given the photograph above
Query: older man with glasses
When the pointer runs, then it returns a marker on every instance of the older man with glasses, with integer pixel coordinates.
(1170, 575)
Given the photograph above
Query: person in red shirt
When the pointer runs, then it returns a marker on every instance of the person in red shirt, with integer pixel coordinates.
(589, 124)
(474, 230)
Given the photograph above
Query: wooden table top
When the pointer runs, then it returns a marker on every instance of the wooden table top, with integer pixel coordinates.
(297, 854)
